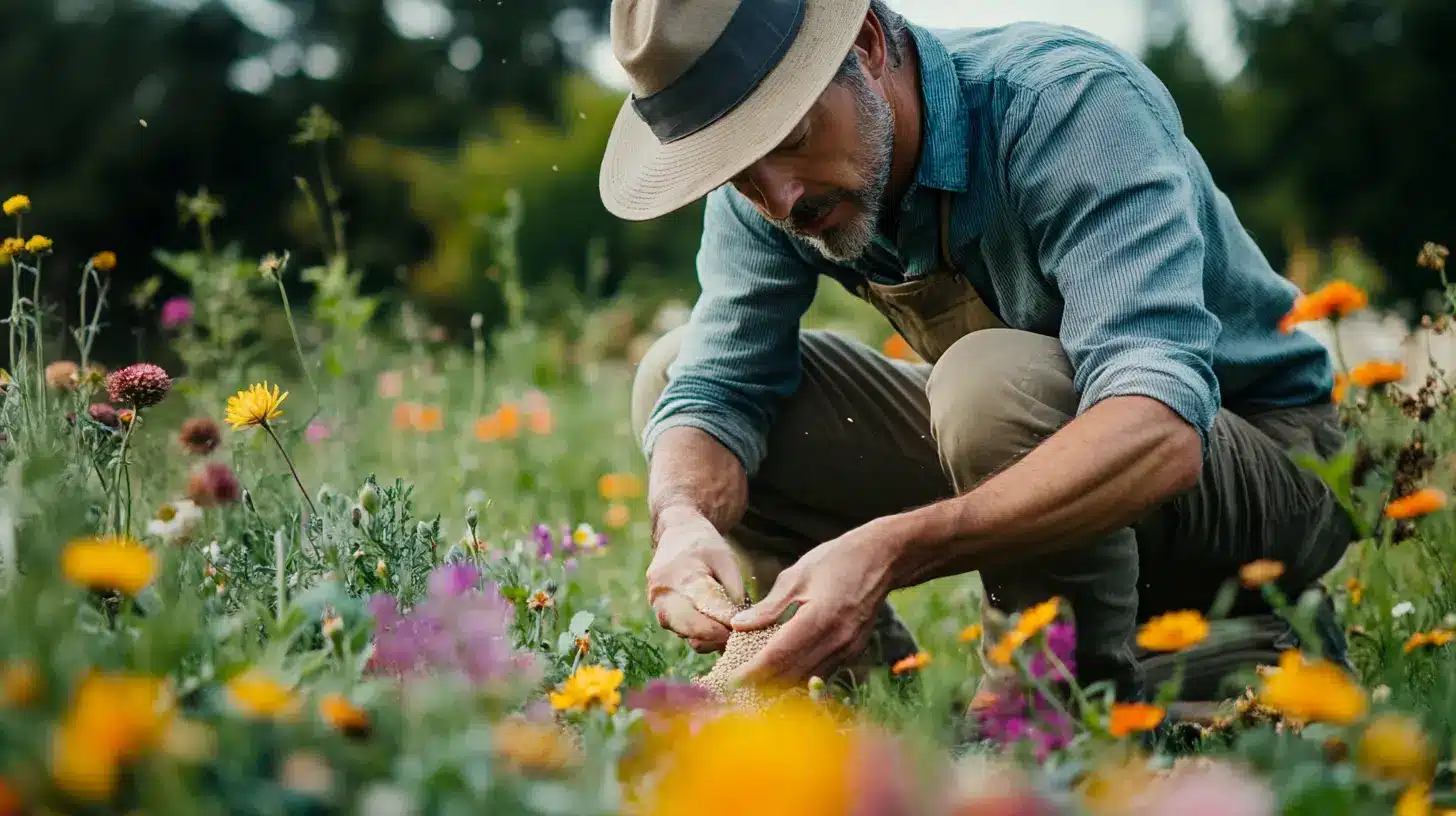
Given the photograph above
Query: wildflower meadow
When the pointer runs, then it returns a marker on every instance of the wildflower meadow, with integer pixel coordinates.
(319, 560)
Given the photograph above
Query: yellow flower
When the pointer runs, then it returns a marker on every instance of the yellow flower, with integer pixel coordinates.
(619, 486)
(258, 695)
(533, 748)
(1258, 573)
(113, 719)
(19, 684)
(914, 662)
(1419, 503)
(970, 633)
(345, 717)
(103, 261)
(1395, 747)
(790, 759)
(1356, 590)
(1131, 718)
(1038, 617)
(38, 244)
(1001, 653)
(1416, 801)
(1173, 631)
(589, 686)
(1435, 637)
(109, 563)
(257, 406)
(17, 204)
(1313, 691)
(12, 246)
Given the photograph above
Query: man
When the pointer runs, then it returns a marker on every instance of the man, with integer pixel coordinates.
(1106, 405)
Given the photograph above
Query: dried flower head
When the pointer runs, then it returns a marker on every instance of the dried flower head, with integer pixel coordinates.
(140, 385)
(17, 204)
(62, 375)
(104, 261)
(104, 414)
(200, 435)
(1433, 256)
(255, 407)
(39, 245)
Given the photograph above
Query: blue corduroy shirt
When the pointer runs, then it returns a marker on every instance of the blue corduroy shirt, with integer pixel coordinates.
(1080, 211)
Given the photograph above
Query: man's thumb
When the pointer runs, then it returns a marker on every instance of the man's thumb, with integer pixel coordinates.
(766, 612)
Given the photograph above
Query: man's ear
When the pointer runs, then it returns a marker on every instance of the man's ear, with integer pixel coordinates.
(870, 46)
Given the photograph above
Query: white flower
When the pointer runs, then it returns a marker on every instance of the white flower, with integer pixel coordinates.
(214, 552)
(1402, 609)
(175, 521)
(1380, 693)
(585, 537)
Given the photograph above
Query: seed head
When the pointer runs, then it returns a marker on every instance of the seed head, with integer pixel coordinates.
(200, 435)
(62, 375)
(140, 384)
(1433, 257)
(104, 414)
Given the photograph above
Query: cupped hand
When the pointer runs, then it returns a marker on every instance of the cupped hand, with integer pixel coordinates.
(694, 583)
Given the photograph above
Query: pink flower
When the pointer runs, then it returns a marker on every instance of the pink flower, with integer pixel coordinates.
(1208, 788)
(140, 385)
(175, 312)
(316, 432)
(104, 414)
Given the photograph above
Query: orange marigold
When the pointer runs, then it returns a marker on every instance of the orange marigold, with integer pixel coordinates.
(1335, 299)
(1377, 372)
(897, 348)
(1131, 718)
(1342, 384)
(914, 662)
(1419, 503)
(1258, 573)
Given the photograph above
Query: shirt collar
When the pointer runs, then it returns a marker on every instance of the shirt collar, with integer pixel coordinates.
(944, 149)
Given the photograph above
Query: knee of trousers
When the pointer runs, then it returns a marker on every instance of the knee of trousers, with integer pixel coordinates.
(994, 395)
(651, 377)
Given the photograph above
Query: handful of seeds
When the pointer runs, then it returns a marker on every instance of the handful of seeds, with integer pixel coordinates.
(741, 648)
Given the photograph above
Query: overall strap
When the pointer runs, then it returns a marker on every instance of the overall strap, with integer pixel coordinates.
(945, 202)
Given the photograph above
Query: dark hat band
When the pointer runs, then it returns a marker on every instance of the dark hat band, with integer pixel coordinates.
(752, 44)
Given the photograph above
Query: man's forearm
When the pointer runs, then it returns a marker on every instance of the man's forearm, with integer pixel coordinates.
(694, 475)
(1098, 473)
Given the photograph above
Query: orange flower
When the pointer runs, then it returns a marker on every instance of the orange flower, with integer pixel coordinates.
(9, 800)
(1342, 384)
(1258, 573)
(1377, 372)
(618, 516)
(1131, 718)
(1038, 617)
(1435, 637)
(1334, 299)
(1419, 503)
(404, 416)
(347, 718)
(505, 423)
(429, 419)
(619, 486)
(970, 633)
(1356, 590)
(896, 348)
(914, 662)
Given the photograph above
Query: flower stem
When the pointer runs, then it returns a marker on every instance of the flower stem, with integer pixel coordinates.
(279, 569)
(293, 329)
(39, 338)
(291, 468)
(119, 471)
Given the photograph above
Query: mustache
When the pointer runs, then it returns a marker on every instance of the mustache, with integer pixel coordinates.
(811, 209)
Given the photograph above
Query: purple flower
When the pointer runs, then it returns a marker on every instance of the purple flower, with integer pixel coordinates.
(1061, 638)
(458, 629)
(545, 544)
(175, 312)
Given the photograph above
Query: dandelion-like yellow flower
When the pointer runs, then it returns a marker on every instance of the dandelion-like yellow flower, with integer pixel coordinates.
(914, 662)
(1258, 573)
(1435, 637)
(1395, 747)
(1173, 631)
(114, 718)
(103, 261)
(17, 204)
(12, 246)
(1001, 653)
(1313, 691)
(255, 407)
(38, 244)
(589, 686)
(1038, 617)
(109, 563)
(1131, 718)
(256, 694)
(1415, 801)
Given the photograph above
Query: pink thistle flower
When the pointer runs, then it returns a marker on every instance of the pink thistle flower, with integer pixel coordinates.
(104, 414)
(316, 432)
(141, 385)
(176, 312)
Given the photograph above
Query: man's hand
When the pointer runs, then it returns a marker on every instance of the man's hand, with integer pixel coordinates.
(838, 587)
(692, 562)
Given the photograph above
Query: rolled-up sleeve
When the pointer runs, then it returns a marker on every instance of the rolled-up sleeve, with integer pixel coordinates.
(740, 353)
(1098, 173)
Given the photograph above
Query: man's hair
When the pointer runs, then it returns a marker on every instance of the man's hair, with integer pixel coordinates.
(897, 40)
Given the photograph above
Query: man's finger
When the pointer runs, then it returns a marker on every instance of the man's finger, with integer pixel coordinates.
(710, 599)
(792, 654)
(767, 612)
(678, 614)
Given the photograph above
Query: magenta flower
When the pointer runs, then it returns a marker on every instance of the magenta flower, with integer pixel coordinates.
(669, 696)
(140, 385)
(175, 312)
(104, 414)
(316, 432)
(1061, 638)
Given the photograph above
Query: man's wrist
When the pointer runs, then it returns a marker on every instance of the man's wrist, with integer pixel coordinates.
(675, 514)
(927, 538)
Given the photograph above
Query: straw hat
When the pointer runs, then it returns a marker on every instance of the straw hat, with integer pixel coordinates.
(716, 84)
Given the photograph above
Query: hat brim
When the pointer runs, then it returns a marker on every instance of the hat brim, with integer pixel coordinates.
(642, 178)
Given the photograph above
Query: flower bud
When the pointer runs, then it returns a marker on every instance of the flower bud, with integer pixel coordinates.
(472, 518)
(816, 688)
(357, 516)
(477, 320)
(369, 499)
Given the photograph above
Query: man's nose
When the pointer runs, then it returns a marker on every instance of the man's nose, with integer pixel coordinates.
(777, 189)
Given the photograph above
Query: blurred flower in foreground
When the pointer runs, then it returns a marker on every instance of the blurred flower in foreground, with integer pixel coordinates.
(1395, 747)
(461, 628)
(1335, 299)
(504, 423)
(139, 385)
(113, 719)
(19, 684)
(532, 747)
(109, 563)
(1435, 637)
(617, 516)
(1377, 372)
(1132, 718)
(614, 487)
(790, 759)
(589, 687)
(316, 432)
(970, 633)
(103, 414)
(1258, 573)
(176, 312)
(259, 695)
(662, 698)
(200, 435)
(1203, 787)
(1173, 631)
(343, 716)
(1415, 801)
(62, 375)
(1313, 691)
(1419, 503)
(255, 407)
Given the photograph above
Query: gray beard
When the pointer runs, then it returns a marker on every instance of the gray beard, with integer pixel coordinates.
(846, 242)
